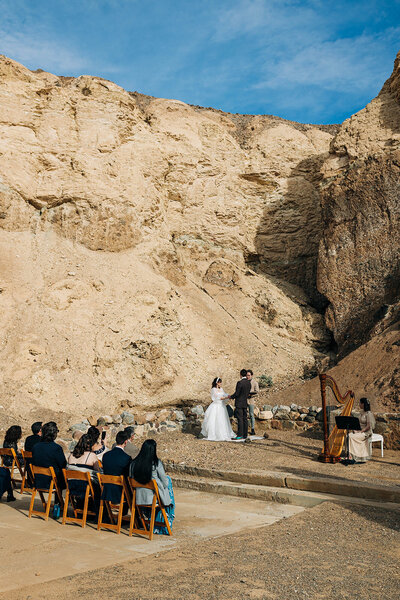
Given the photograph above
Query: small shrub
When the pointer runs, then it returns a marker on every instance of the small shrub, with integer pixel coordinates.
(265, 381)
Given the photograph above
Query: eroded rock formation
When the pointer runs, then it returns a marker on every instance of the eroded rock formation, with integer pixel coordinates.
(359, 258)
(148, 245)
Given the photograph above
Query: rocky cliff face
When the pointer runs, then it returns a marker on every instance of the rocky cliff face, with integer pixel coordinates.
(148, 245)
(359, 256)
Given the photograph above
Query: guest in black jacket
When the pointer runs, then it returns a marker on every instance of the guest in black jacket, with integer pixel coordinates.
(116, 462)
(31, 440)
(49, 454)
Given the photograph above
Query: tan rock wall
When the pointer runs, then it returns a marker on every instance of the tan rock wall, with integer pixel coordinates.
(128, 226)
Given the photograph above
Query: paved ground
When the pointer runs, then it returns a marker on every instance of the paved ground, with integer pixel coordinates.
(327, 552)
(54, 550)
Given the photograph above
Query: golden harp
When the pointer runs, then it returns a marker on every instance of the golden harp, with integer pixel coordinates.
(333, 442)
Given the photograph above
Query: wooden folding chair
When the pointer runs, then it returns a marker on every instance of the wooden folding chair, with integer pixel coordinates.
(53, 487)
(15, 463)
(137, 514)
(118, 480)
(27, 483)
(69, 475)
(100, 463)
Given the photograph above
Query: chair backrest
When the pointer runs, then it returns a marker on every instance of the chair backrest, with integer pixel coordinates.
(7, 452)
(71, 474)
(10, 452)
(152, 485)
(47, 471)
(27, 480)
(114, 479)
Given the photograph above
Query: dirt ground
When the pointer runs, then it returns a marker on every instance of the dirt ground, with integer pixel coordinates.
(290, 452)
(325, 552)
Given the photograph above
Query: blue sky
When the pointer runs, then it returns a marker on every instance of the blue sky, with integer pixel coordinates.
(310, 61)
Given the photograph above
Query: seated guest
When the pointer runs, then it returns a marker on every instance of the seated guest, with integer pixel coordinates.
(36, 436)
(82, 455)
(49, 454)
(11, 439)
(83, 459)
(145, 467)
(98, 445)
(130, 447)
(359, 446)
(6, 485)
(116, 462)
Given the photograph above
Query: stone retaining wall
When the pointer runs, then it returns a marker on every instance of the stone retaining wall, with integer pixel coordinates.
(287, 418)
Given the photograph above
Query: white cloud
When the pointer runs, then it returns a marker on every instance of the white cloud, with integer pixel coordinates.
(341, 65)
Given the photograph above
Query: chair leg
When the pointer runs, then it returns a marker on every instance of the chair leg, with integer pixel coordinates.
(164, 514)
(49, 497)
(132, 522)
(100, 519)
(153, 517)
(381, 448)
(85, 507)
(65, 510)
(32, 501)
(119, 522)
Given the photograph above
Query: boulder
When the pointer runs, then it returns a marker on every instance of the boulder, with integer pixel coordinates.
(117, 419)
(79, 426)
(127, 418)
(281, 414)
(139, 430)
(178, 415)
(265, 415)
(197, 411)
(275, 424)
(288, 425)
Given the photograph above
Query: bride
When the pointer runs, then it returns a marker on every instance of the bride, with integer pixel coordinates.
(216, 424)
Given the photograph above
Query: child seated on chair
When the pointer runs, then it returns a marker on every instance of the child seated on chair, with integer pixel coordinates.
(145, 467)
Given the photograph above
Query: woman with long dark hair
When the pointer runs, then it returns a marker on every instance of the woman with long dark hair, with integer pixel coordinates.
(82, 455)
(11, 439)
(98, 445)
(145, 467)
(359, 445)
(216, 425)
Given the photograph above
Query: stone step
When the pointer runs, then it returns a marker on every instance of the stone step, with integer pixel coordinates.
(302, 498)
(274, 479)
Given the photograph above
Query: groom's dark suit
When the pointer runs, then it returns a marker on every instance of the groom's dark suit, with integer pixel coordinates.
(241, 394)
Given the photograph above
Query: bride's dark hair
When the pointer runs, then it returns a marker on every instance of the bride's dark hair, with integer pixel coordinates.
(215, 381)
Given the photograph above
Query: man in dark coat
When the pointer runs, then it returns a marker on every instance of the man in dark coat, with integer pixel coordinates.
(49, 454)
(36, 436)
(240, 396)
(116, 462)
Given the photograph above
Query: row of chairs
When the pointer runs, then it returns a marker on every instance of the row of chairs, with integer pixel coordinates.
(139, 522)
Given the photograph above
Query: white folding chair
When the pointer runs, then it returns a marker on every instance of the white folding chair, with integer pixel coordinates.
(376, 437)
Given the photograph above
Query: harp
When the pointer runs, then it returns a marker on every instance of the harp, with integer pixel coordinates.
(333, 442)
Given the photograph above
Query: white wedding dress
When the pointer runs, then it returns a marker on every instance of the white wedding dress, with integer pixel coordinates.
(216, 424)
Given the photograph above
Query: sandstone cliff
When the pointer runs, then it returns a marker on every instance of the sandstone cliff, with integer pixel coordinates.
(359, 256)
(148, 245)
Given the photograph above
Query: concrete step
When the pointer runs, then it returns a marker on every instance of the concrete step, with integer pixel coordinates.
(273, 479)
(302, 498)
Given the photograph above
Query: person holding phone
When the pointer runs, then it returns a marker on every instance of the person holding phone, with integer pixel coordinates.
(98, 435)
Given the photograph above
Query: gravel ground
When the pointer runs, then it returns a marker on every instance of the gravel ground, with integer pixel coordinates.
(326, 552)
(290, 452)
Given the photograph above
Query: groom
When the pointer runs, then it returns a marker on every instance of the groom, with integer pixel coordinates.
(240, 396)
